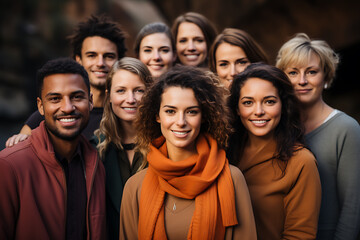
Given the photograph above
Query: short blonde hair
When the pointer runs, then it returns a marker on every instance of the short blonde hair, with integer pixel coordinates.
(297, 51)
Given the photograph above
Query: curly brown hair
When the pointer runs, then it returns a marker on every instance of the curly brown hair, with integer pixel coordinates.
(208, 92)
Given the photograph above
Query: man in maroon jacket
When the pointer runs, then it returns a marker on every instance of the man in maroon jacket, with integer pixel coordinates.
(52, 184)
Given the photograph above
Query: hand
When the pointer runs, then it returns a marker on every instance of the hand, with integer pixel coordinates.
(16, 139)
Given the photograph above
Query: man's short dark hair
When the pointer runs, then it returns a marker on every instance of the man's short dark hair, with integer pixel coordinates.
(100, 26)
(58, 66)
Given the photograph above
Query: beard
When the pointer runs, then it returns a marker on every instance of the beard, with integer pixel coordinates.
(63, 136)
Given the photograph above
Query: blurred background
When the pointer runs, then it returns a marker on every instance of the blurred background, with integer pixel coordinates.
(34, 31)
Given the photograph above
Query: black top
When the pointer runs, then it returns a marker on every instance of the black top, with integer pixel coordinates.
(94, 121)
(76, 195)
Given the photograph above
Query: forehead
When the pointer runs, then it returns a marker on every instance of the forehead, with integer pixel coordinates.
(155, 39)
(258, 87)
(188, 29)
(126, 78)
(226, 50)
(179, 97)
(63, 84)
(304, 59)
(98, 44)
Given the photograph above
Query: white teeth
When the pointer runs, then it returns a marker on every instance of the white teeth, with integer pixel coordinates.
(191, 57)
(130, 109)
(259, 122)
(180, 133)
(67, 119)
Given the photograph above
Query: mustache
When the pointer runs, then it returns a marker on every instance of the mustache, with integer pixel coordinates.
(73, 114)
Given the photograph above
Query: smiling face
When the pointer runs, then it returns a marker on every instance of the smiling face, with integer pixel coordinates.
(157, 53)
(180, 119)
(65, 104)
(230, 60)
(259, 108)
(308, 80)
(97, 57)
(126, 92)
(190, 44)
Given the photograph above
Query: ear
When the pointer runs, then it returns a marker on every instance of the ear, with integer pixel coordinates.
(91, 103)
(40, 106)
(158, 118)
(78, 59)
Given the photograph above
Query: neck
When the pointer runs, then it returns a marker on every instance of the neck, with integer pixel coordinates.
(314, 115)
(255, 142)
(178, 154)
(129, 132)
(98, 96)
(64, 147)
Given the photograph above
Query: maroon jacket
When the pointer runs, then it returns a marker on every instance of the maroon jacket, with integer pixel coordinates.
(33, 190)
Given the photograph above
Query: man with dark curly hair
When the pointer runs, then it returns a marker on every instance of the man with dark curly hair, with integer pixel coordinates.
(97, 43)
(52, 184)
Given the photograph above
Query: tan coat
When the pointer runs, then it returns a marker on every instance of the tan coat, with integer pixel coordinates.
(285, 206)
(178, 218)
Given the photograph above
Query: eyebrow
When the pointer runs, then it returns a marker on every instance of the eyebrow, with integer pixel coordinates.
(169, 106)
(266, 97)
(57, 94)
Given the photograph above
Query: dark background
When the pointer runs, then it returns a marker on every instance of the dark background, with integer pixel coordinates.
(34, 31)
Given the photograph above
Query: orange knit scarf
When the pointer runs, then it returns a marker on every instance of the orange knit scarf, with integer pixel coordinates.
(205, 177)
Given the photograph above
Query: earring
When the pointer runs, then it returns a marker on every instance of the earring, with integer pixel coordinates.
(326, 86)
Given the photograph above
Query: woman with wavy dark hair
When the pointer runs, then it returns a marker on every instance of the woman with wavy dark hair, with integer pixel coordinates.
(267, 146)
(193, 34)
(188, 191)
(231, 52)
(125, 85)
(332, 135)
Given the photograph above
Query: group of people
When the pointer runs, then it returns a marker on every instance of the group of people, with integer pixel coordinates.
(198, 137)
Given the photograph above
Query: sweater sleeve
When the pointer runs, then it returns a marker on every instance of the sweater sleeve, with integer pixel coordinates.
(245, 229)
(129, 211)
(9, 200)
(348, 179)
(302, 203)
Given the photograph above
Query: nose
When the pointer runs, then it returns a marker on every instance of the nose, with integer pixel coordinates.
(259, 111)
(303, 81)
(156, 56)
(233, 71)
(191, 45)
(131, 97)
(181, 121)
(100, 61)
(67, 106)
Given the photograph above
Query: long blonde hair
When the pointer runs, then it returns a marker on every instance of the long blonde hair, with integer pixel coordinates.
(110, 131)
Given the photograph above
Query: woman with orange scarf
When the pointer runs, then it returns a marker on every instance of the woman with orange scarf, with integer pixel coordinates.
(189, 190)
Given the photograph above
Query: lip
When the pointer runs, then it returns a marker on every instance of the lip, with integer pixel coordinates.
(130, 110)
(181, 134)
(100, 74)
(192, 57)
(156, 67)
(302, 91)
(68, 121)
(259, 122)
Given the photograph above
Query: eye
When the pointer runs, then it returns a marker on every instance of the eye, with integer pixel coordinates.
(120, 91)
(78, 97)
(312, 72)
(270, 102)
(182, 40)
(243, 62)
(54, 99)
(147, 50)
(199, 40)
(91, 55)
(193, 112)
(140, 90)
(292, 73)
(222, 64)
(165, 50)
(110, 56)
(247, 103)
(169, 111)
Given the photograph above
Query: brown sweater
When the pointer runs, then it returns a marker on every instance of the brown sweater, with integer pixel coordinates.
(285, 206)
(178, 218)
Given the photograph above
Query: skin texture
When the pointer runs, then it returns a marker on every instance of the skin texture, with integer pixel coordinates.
(125, 94)
(308, 80)
(230, 60)
(191, 44)
(180, 121)
(65, 105)
(156, 53)
(259, 108)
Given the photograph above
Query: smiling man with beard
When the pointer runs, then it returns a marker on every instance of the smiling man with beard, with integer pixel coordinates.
(51, 185)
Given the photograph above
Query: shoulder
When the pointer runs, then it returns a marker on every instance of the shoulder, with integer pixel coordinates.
(343, 122)
(134, 183)
(15, 152)
(302, 159)
(237, 176)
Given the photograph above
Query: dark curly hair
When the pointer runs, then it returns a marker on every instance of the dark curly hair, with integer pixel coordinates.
(289, 133)
(100, 26)
(60, 65)
(208, 92)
